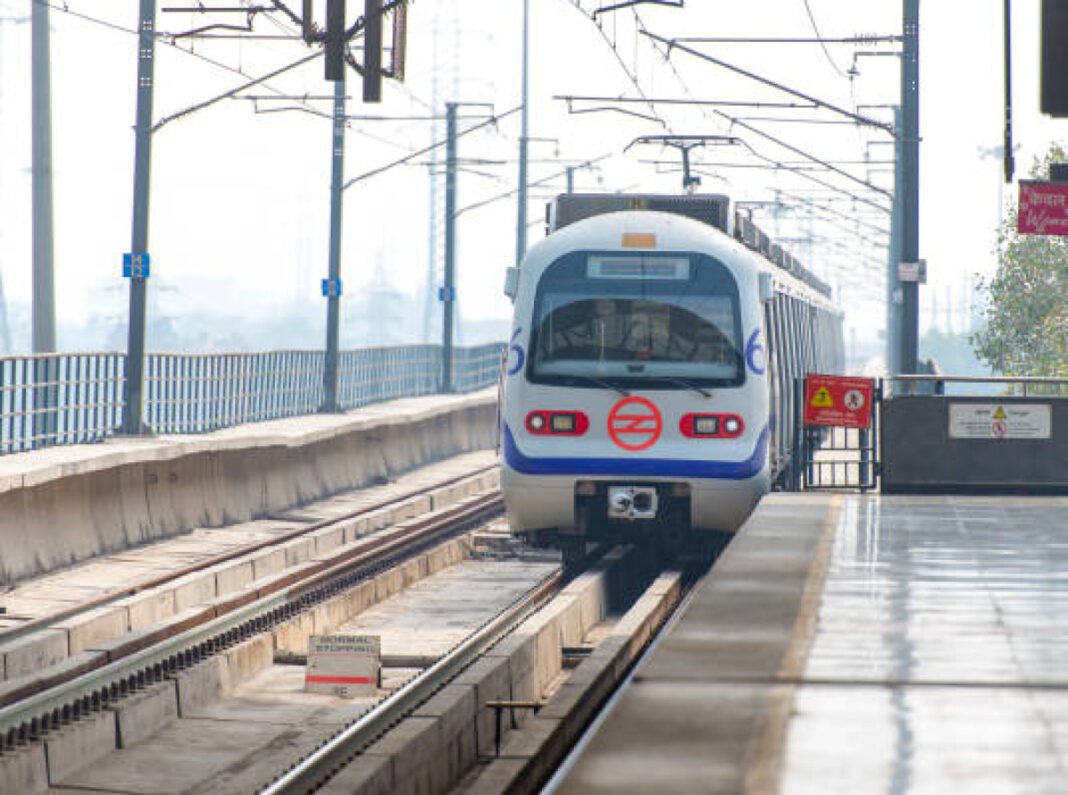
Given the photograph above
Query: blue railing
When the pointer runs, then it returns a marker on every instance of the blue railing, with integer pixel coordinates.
(70, 398)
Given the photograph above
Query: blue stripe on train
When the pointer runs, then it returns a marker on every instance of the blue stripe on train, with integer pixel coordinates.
(637, 466)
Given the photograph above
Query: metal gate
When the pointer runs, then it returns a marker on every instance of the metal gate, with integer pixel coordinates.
(836, 434)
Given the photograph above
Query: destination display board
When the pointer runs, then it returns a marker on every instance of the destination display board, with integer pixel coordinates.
(839, 401)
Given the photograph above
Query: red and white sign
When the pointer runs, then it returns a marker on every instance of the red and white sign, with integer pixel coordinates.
(1043, 208)
(343, 665)
(635, 424)
(838, 400)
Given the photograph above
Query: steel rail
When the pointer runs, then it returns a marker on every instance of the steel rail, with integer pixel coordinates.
(247, 615)
(43, 622)
(311, 772)
(564, 768)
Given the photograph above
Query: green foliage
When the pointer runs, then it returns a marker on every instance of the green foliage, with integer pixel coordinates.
(1026, 309)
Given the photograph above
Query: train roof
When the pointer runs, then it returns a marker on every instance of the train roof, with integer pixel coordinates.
(712, 209)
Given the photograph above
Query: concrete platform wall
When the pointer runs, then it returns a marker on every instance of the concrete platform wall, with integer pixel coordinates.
(920, 456)
(63, 505)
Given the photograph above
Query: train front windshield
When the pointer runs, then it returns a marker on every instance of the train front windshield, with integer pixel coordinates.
(654, 320)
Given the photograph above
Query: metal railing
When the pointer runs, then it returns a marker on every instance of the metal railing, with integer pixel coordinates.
(59, 398)
(936, 384)
(70, 398)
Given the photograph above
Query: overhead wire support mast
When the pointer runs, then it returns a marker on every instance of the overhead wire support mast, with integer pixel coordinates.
(524, 142)
(332, 285)
(133, 385)
(909, 148)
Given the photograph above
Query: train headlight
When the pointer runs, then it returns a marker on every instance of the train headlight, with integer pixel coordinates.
(558, 423)
(711, 426)
(563, 423)
(706, 426)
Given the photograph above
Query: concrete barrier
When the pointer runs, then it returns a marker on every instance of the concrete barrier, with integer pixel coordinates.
(66, 504)
(926, 451)
(434, 749)
(530, 755)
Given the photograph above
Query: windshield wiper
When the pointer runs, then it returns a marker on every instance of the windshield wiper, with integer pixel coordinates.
(600, 382)
(688, 384)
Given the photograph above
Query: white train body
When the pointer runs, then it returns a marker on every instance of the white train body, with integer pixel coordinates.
(636, 395)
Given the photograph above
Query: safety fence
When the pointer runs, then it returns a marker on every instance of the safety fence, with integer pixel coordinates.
(71, 398)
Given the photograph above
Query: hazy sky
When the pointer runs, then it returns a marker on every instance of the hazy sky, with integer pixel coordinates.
(240, 199)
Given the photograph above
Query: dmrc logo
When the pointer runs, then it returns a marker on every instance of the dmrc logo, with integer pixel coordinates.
(635, 424)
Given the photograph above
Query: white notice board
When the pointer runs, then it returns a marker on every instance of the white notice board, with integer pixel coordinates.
(343, 665)
(1000, 421)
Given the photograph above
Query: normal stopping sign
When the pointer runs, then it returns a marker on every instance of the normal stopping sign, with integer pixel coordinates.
(344, 665)
(839, 401)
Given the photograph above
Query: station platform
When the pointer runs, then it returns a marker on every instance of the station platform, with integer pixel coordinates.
(857, 643)
(67, 504)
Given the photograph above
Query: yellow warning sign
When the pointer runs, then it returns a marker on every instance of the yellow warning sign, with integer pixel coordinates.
(999, 414)
(822, 399)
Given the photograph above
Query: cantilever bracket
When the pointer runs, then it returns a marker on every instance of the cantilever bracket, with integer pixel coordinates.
(629, 3)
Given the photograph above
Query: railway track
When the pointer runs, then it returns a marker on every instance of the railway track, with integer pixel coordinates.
(558, 710)
(29, 710)
(538, 637)
(38, 623)
(317, 769)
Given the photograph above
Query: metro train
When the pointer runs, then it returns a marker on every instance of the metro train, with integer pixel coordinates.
(647, 389)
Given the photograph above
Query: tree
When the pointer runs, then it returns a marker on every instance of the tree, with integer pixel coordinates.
(1026, 302)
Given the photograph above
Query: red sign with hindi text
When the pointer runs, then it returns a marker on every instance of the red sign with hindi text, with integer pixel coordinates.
(838, 400)
(1043, 208)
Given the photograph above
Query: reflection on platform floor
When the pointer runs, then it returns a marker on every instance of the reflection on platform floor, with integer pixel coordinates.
(940, 657)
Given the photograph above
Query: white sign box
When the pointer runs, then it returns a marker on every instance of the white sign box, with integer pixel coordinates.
(1000, 421)
(343, 665)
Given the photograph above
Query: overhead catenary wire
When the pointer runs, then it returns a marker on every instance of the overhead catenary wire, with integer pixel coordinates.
(809, 102)
(542, 181)
(666, 55)
(619, 60)
(673, 44)
(436, 145)
(88, 18)
(819, 38)
(227, 94)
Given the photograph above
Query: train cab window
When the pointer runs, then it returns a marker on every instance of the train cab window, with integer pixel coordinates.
(666, 321)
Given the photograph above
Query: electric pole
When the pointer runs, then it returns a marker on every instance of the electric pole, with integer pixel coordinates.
(894, 295)
(137, 263)
(5, 329)
(332, 285)
(909, 138)
(44, 298)
(524, 130)
(448, 292)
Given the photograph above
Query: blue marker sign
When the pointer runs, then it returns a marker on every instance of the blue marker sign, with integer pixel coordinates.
(447, 294)
(331, 288)
(754, 354)
(135, 266)
(517, 356)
